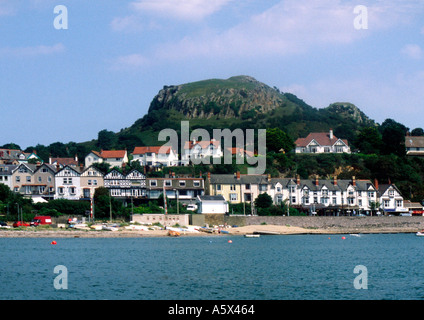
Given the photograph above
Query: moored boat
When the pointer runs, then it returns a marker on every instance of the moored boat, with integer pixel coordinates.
(173, 233)
(252, 235)
(420, 233)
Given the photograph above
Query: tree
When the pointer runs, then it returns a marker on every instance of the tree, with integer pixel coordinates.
(106, 139)
(369, 141)
(263, 201)
(417, 132)
(393, 136)
(277, 139)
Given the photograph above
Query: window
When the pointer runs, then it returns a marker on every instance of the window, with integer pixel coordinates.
(399, 203)
(67, 180)
(18, 179)
(196, 183)
(89, 182)
(39, 179)
(370, 194)
(292, 189)
(278, 189)
(386, 203)
(293, 199)
(153, 183)
(61, 190)
(262, 187)
(232, 187)
(233, 196)
(334, 200)
(247, 186)
(168, 183)
(350, 201)
(28, 178)
(218, 187)
(72, 190)
(391, 193)
(326, 149)
(182, 183)
(324, 192)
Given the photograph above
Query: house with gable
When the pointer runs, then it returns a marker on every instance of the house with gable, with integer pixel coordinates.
(6, 174)
(62, 162)
(120, 185)
(43, 186)
(91, 178)
(391, 199)
(68, 183)
(115, 158)
(155, 156)
(194, 149)
(322, 142)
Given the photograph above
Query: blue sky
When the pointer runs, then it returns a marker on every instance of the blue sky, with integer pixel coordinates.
(104, 70)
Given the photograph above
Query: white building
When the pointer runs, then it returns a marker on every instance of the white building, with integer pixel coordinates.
(115, 158)
(212, 204)
(155, 156)
(201, 149)
(391, 200)
(68, 183)
(322, 142)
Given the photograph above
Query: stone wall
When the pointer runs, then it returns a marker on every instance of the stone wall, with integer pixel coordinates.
(324, 222)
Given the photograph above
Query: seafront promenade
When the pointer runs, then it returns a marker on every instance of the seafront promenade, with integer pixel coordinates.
(249, 225)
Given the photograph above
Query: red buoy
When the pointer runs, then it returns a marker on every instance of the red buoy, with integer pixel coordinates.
(343, 238)
(53, 242)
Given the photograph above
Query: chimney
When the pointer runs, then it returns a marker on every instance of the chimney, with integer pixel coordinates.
(354, 181)
(298, 180)
(50, 159)
(76, 157)
(200, 174)
(376, 183)
(331, 134)
(238, 175)
(209, 175)
(269, 177)
(316, 181)
(335, 180)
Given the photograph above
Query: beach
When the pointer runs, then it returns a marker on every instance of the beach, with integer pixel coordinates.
(31, 232)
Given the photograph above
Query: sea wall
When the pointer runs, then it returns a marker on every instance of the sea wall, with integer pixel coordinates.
(383, 223)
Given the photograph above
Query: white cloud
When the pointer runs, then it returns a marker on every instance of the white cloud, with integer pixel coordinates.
(32, 51)
(413, 51)
(179, 9)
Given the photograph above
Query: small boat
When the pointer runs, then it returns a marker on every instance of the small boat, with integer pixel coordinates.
(173, 233)
(420, 233)
(267, 232)
(110, 228)
(354, 235)
(224, 231)
(96, 227)
(208, 230)
(252, 235)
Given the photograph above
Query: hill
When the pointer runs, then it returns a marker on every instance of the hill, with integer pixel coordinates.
(242, 102)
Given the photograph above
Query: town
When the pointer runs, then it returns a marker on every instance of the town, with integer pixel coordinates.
(205, 193)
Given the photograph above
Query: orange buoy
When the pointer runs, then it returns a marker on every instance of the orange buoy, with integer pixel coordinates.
(343, 238)
(229, 241)
(53, 242)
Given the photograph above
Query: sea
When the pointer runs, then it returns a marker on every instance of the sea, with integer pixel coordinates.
(226, 267)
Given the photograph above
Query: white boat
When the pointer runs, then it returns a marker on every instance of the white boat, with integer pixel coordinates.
(420, 233)
(96, 227)
(137, 227)
(110, 228)
(252, 235)
(354, 235)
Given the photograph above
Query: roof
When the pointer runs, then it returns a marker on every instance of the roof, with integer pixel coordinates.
(382, 188)
(238, 151)
(361, 185)
(212, 198)
(414, 142)
(322, 138)
(203, 144)
(65, 161)
(105, 154)
(152, 149)
(244, 179)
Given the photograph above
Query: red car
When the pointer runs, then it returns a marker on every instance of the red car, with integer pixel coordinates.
(20, 224)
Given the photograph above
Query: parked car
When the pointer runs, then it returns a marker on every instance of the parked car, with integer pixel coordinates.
(4, 225)
(192, 207)
(20, 224)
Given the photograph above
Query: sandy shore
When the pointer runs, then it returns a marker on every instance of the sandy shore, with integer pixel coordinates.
(261, 229)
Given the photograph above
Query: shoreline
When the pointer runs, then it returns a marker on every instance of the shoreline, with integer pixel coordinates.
(241, 231)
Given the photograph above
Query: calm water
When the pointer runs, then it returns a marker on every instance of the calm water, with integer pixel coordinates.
(202, 268)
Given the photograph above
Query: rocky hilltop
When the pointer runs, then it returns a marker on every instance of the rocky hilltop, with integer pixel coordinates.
(230, 98)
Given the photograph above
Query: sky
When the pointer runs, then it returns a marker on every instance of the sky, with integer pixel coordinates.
(69, 69)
